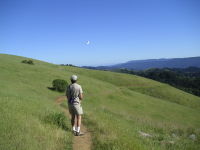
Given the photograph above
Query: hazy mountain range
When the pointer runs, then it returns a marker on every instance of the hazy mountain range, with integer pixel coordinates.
(153, 63)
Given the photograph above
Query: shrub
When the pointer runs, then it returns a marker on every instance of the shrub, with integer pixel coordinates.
(59, 85)
(24, 61)
(30, 62)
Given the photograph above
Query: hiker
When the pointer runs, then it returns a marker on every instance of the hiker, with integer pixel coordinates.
(74, 95)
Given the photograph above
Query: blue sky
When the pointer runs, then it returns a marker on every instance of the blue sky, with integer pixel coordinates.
(118, 30)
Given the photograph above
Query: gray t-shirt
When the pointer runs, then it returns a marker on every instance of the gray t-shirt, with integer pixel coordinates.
(73, 92)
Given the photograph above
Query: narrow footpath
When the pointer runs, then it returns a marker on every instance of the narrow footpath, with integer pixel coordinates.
(83, 142)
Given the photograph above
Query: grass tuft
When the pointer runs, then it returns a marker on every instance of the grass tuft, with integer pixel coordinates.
(58, 119)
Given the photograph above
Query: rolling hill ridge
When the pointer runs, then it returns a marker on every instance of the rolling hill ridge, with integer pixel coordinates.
(154, 63)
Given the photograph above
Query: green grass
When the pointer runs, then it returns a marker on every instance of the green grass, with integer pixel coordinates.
(116, 107)
(25, 101)
(142, 85)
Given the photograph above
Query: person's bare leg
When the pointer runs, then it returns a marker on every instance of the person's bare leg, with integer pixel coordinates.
(73, 123)
(78, 122)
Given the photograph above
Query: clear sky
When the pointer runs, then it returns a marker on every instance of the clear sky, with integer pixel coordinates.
(99, 32)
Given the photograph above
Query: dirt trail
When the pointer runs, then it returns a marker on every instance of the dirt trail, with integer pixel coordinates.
(83, 142)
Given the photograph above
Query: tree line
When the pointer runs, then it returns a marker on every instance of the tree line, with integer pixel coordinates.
(187, 79)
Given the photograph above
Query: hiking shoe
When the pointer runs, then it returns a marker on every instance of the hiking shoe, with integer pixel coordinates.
(74, 132)
(79, 134)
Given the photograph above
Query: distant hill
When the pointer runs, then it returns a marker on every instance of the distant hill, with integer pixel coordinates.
(154, 63)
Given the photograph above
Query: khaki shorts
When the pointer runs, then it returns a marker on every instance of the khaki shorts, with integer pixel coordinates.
(75, 109)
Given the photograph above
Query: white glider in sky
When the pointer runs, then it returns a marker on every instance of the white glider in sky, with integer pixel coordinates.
(88, 42)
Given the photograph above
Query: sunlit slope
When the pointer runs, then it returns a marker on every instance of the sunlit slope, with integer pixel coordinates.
(114, 112)
(25, 102)
(143, 85)
(117, 109)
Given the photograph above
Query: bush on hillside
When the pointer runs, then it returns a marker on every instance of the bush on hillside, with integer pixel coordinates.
(30, 62)
(59, 85)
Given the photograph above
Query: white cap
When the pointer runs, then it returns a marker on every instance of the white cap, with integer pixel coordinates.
(74, 77)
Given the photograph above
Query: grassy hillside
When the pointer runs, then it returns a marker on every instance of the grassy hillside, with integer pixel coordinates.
(118, 108)
(143, 85)
(26, 103)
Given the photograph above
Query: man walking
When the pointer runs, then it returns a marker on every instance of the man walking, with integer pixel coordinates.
(74, 95)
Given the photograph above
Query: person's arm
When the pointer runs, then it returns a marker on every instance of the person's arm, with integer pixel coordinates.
(67, 93)
(80, 93)
(81, 96)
